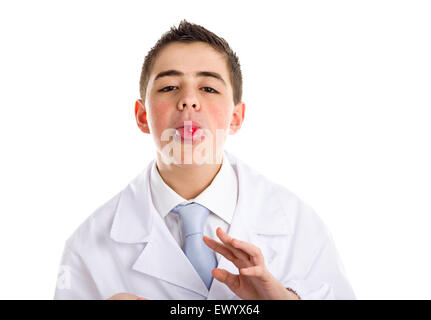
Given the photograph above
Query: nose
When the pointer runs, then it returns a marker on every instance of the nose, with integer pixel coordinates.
(189, 102)
(193, 105)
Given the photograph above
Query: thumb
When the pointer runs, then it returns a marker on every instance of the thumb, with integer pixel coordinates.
(229, 279)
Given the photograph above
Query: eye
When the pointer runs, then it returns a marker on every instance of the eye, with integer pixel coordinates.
(165, 89)
(211, 90)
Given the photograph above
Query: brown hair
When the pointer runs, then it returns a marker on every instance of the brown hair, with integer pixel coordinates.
(190, 32)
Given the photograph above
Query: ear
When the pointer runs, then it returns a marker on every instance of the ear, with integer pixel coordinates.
(141, 116)
(237, 117)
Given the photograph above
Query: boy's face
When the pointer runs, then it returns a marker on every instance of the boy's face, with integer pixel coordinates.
(188, 94)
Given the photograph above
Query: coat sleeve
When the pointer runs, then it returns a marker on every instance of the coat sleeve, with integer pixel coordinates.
(74, 281)
(325, 278)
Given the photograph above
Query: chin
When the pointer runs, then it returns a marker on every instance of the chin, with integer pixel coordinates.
(188, 155)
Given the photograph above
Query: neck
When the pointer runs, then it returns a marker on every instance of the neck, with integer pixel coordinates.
(188, 180)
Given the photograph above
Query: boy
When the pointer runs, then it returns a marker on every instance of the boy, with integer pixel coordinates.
(198, 223)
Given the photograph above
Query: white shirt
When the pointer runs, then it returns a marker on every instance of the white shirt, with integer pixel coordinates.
(220, 197)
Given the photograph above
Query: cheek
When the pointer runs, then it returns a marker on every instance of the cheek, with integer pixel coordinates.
(159, 114)
(219, 117)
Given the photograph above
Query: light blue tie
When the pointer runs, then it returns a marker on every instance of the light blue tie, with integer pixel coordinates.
(193, 217)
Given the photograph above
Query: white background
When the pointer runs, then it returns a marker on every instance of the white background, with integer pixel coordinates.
(337, 100)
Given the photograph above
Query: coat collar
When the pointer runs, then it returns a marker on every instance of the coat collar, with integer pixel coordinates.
(132, 222)
(137, 221)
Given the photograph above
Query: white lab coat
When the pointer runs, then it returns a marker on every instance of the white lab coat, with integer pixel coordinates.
(125, 246)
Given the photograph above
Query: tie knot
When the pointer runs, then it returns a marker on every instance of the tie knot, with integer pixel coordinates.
(193, 217)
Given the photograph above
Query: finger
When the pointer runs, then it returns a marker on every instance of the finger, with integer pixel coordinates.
(123, 296)
(229, 279)
(256, 271)
(254, 252)
(220, 248)
(227, 240)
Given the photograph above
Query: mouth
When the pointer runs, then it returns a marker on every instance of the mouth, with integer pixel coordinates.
(189, 131)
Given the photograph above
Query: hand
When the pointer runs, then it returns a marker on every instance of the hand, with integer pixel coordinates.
(254, 281)
(125, 296)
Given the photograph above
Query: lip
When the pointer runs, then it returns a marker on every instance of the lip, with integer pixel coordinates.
(183, 123)
(188, 131)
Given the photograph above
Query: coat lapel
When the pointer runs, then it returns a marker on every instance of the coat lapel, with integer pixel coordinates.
(163, 258)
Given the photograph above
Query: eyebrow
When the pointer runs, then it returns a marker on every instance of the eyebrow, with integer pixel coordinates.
(197, 74)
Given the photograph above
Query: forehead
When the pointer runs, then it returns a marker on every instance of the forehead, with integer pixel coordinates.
(190, 58)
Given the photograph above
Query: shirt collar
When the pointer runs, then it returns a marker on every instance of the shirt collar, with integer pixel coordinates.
(220, 197)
